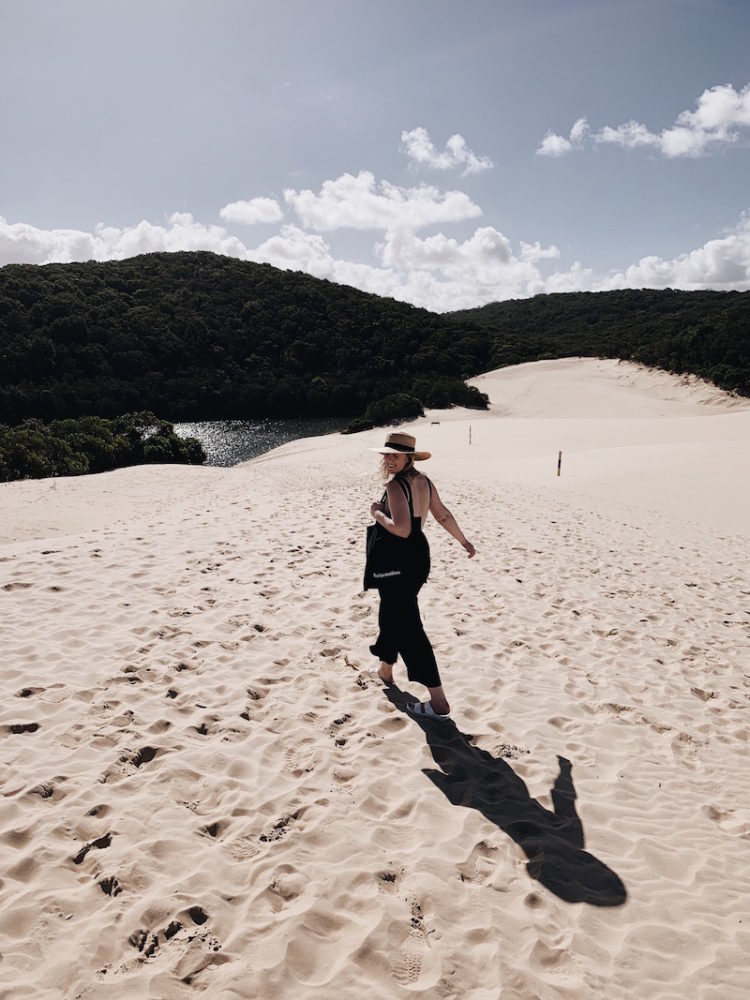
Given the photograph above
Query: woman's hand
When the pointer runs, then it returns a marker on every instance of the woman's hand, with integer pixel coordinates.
(469, 548)
(374, 508)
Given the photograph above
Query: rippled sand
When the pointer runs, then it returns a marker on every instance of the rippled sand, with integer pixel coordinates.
(205, 790)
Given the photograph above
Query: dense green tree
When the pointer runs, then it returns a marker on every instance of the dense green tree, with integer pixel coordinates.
(199, 336)
(391, 410)
(70, 447)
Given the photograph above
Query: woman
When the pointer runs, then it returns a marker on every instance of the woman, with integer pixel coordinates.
(409, 497)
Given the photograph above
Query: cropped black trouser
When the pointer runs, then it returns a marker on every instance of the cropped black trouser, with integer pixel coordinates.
(402, 632)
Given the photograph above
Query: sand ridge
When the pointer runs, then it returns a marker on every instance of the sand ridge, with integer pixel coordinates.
(205, 790)
(600, 388)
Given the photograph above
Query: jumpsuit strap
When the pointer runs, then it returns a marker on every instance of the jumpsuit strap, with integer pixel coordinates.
(407, 492)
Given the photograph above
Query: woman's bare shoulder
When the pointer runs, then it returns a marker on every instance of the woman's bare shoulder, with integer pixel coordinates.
(422, 490)
(426, 482)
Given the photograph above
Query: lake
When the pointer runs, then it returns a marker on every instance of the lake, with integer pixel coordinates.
(228, 442)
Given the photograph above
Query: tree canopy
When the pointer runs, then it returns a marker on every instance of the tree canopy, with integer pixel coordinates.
(196, 336)
(37, 450)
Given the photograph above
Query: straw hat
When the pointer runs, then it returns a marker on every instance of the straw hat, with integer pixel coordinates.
(402, 444)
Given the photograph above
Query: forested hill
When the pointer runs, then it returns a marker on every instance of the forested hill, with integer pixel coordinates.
(201, 336)
(705, 333)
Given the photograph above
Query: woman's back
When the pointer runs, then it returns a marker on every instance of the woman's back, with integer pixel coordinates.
(420, 492)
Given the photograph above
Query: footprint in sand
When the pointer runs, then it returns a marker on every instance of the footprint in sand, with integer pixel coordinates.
(45, 790)
(18, 728)
(243, 848)
(208, 728)
(300, 760)
(110, 886)
(147, 942)
(415, 964)
(388, 879)
(280, 828)
(408, 968)
(335, 729)
(551, 948)
(99, 844)
(286, 885)
(481, 864)
(144, 756)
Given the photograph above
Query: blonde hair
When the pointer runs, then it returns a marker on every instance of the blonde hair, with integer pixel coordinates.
(408, 470)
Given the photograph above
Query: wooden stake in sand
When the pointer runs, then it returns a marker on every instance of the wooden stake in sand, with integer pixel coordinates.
(469, 433)
(559, 461)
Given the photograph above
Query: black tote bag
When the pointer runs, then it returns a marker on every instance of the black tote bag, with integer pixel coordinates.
(392, 559)
(387, 557)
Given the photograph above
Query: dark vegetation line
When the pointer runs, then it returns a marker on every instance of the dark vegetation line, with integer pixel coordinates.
(197, 336)
(703, 333)
(37, 450)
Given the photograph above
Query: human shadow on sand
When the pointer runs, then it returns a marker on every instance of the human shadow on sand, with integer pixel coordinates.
(552, 841)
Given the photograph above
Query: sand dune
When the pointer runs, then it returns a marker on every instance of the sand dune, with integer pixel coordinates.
(600, 388)
(206, 791)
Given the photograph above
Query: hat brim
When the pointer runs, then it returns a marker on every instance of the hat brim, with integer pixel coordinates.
(418, 456)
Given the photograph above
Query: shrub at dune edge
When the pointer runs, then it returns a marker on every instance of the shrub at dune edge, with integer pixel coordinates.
(37, 450)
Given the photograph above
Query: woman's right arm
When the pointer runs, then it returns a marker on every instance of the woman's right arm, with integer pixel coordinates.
(444, 517)
(399, 523)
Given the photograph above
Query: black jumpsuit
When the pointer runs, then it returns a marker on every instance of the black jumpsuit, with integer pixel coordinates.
(401, 629)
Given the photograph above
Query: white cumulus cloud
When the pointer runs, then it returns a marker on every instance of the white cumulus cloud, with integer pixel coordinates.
(25, 244)
(483, 267)
(557, 145)
(405, 250)
(294, 249)
(554, 145)
(252, 212)
(361, 202)
(720, 119)
(722, 263)
(437, 273)
(441, 273)
(579, 131)
(419, 147)
(535, 251)
(631, 135)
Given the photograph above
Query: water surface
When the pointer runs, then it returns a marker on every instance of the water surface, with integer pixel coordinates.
(227, 442)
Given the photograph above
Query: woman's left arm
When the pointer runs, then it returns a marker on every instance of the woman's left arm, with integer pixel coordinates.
(444, 517)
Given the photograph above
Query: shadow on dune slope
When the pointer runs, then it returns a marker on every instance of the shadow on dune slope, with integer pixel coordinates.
(553, 841)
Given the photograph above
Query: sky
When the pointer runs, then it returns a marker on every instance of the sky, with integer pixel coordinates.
(445, 153)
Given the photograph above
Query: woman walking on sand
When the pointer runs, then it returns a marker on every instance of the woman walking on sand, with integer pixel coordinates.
(409, 497)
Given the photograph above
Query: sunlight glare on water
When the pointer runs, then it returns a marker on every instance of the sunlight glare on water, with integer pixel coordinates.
(228, 442)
